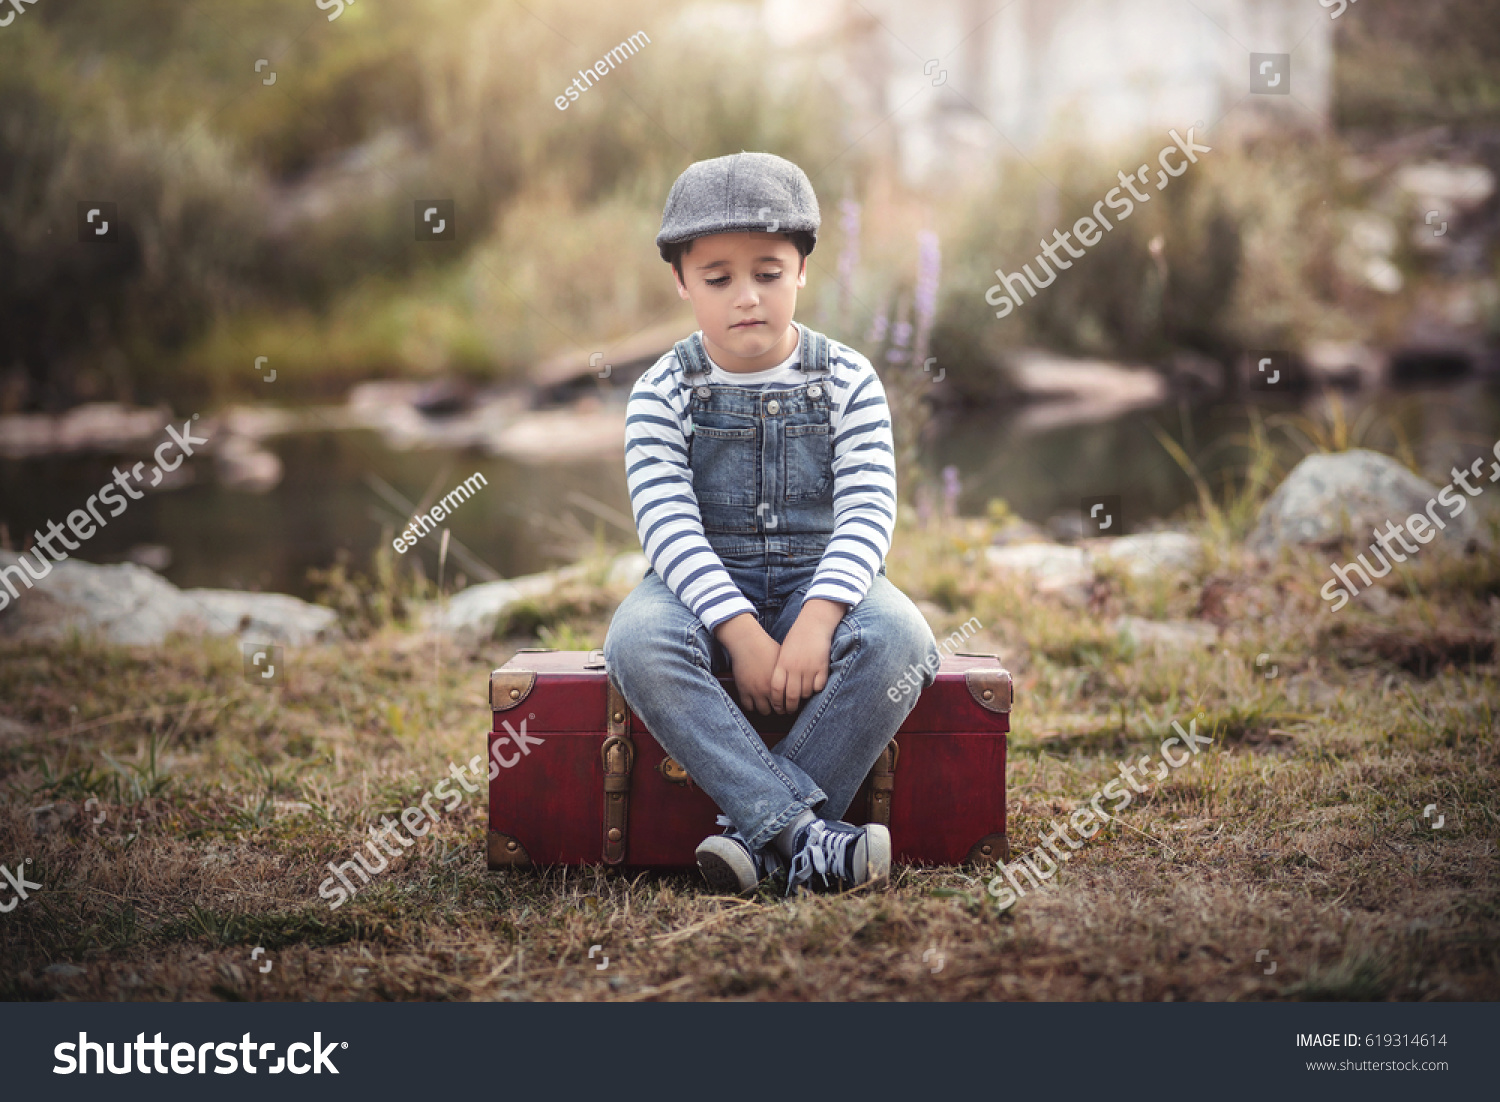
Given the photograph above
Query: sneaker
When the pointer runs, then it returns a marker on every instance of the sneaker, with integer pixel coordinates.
(843, 855)
(730, 866)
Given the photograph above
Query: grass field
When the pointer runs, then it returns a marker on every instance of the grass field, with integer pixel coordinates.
(1301, 832)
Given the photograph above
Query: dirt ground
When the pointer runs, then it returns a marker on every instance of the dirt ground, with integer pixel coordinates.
(1336, 841)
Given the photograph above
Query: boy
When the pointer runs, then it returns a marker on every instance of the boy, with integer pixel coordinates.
(761, 473)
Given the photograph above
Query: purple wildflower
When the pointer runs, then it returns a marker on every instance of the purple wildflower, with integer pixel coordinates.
(902, 338)
(849, 258)
(950, 491)
(924, 505)
(929, 259)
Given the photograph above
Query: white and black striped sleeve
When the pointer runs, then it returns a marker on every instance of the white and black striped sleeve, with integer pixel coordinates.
(667, 517)
(864, 486)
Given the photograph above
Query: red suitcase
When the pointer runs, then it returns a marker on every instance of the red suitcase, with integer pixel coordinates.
(575, 777)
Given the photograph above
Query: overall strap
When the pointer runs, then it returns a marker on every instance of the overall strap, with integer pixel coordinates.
(814, 351)
(691, 356)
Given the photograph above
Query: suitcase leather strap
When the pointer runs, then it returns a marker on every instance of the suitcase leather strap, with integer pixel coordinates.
(618, 754)
(882, 783)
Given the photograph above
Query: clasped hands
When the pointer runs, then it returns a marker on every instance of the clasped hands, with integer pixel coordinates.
(778, 677)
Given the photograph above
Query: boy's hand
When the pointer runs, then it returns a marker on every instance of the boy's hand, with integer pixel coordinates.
(753, 656)
(802, 668)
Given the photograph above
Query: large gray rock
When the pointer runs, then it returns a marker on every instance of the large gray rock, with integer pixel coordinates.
(473, 613)
(1055, 567)
(1051, 566)
(129, 604)
(262, 617)
(1352, 493)
(1148, 552)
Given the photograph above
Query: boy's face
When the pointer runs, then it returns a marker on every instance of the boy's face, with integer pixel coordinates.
(743, 287)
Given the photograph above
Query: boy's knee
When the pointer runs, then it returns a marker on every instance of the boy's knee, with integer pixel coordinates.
(901, 628)
(644, 644)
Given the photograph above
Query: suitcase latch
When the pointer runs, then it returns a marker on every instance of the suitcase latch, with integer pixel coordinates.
(673, 771)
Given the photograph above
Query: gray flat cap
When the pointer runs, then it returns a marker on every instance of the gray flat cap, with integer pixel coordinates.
(756, 192)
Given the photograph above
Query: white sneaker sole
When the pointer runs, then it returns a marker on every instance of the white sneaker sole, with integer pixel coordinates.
(726, 866)
(878, 855)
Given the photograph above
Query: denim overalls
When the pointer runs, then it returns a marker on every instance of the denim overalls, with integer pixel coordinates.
(762, 468)
(762, 459)
(762, 463)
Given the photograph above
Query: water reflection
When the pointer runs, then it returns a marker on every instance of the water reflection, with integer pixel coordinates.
(530, 517)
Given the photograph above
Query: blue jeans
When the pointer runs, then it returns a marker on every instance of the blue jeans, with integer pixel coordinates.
(664, 661)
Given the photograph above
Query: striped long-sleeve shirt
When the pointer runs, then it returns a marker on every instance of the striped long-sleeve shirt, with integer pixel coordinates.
(667, 517)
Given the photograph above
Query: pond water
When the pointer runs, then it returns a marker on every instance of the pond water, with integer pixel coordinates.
(529, 517)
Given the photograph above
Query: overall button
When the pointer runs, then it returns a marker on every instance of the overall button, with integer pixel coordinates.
(703, 392)
(815, 391)
(773, 407)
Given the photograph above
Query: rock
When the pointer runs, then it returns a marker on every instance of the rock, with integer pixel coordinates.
(1327, 497)
(1055, 566)
(1148, 552)
(153, 556)
(63, 971)
(1446, 187)
(1369, 239)
(1345, 364)
(242, 464)
(1193, 373)
(1075, 391)
(1016, 531)
(551, 436)
(475, 612)
(131, 605)
(263, 617)
(1052, 566)
(1065, 526)
(1167, 634)
(628, 569)
(94, 426)
(444, 397)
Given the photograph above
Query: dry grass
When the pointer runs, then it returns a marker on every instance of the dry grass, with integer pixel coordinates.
(1301, 832)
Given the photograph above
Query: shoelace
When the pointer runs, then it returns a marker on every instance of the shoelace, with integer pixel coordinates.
(769, 859)
(825, 851)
